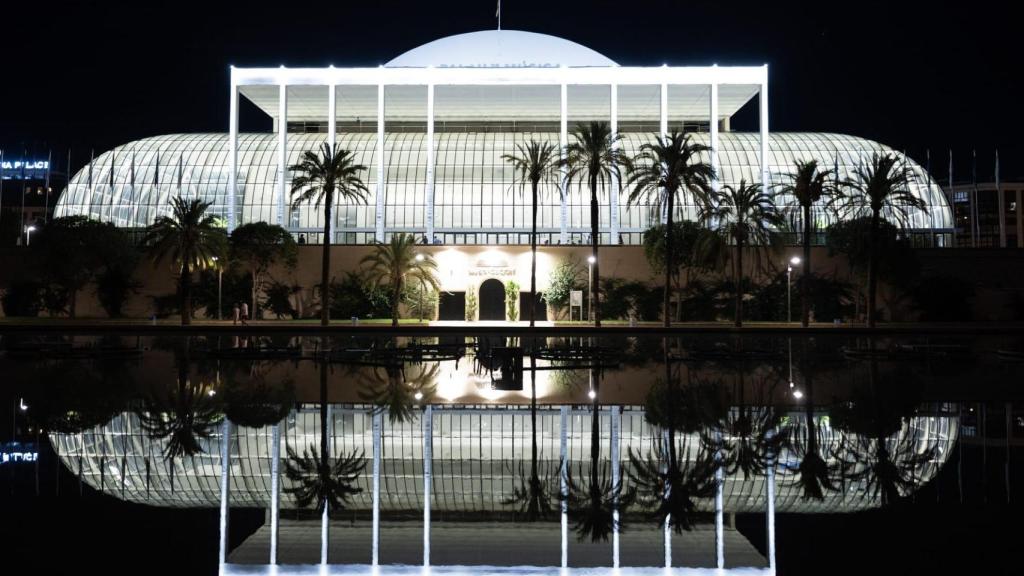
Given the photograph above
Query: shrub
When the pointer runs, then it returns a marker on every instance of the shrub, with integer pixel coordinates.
(421, 301)
(278, 299)
(471, 304)
(566, 277)
(512, 301)
(352, 296)
(22, 299)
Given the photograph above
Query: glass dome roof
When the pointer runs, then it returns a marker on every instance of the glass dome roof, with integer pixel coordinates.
(500, 49)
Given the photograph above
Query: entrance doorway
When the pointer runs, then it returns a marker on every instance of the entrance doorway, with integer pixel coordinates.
(492, 300)
(452, 306)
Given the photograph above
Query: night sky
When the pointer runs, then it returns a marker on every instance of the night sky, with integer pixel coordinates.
(913, 75)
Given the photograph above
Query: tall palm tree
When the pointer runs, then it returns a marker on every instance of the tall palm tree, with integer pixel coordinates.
(395, 264)
(320, 177)
(663, 170)
(316, 480)
(747, 216)
(809, 186)
(883, 185)
(535, 162)
(191, 239)
(592, 504)
(594, 157)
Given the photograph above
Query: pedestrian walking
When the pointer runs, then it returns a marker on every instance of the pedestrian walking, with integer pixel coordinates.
(245, 313)
(235, 313)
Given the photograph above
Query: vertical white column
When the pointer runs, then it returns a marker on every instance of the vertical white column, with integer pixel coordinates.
(325, 518)
(275, 489)
(713, 142)
(613, 194)
(282, 152)
(616, 433)
(563, 141)
(225, 483)
(232, 152)
(764, 128)
(428, 456)
(770, 497)
(430, 164)
(719, 485)
(563, 447)
(332, 141)
(666, 451)
(379, 229)
(663, 128)
(378, 424)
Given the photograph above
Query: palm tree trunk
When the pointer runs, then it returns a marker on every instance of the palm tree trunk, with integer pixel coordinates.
(873, 269)
(738, 281)
(668, 257)
(255, 303)
(594, 222)
(395, 297)
(595, 433)
(805, 274)
(186, 294)
(325, 278)
(533, 257)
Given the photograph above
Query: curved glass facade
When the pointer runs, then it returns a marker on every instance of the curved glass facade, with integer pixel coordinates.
(478, 199)
(478, 455)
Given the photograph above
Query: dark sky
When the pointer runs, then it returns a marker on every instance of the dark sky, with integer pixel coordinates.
(914, 75)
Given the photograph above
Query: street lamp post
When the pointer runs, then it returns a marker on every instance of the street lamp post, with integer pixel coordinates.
(794, 261)
(28, 234)
(590, 287)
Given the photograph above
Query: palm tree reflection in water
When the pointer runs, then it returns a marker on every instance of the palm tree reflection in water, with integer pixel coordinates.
(317, 480)
(593, 504)
(183, 416)
(533, 497)
(399, 389)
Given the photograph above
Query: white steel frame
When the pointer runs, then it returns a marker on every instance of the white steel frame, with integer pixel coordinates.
(381, 77)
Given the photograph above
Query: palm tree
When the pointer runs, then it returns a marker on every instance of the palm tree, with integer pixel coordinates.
(317, 481)
(592, 505)
(533, 495)
(321, 177)
(808, 186)
(881, 186)
(182, 416)
(395, 264)
(594, 157)
(535, 162)
(747, 216)
(192, 239)
(661, 171)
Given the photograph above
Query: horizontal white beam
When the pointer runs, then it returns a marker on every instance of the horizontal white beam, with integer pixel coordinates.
(621, 75)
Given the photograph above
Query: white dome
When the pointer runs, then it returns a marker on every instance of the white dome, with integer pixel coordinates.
(500, 49)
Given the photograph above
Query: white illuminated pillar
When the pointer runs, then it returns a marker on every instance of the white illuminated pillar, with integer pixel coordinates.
(666, 450)
(325, 518)
(613, 194)
(332, 141)
(282, 152)
(379, 234)
(428, 456)
(378, 425)
(719, 486)
(225, 496)
(232, 152)
(1020, 221)
(663, 128)
(713, 113)
(764, 129)
(430, 164)
(275, 489)
(563, 141)
(563, 481)
(616, 432)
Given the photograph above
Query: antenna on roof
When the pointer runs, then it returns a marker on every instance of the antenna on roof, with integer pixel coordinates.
(498, 14)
